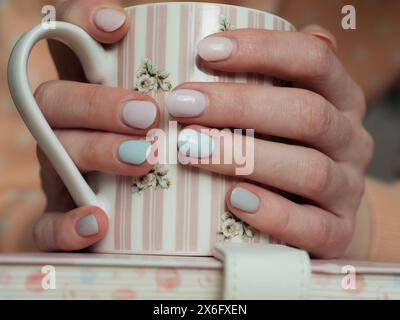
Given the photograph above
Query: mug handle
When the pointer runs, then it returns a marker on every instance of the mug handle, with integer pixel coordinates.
(97, 64)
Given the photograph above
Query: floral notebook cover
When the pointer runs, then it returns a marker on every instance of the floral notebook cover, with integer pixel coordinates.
(107, 276)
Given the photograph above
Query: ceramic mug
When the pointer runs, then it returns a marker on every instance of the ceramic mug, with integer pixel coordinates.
(186, 216)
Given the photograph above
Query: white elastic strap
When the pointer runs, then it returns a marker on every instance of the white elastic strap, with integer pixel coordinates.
(262, 271)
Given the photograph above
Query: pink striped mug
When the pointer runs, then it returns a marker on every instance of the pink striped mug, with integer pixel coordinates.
(178, 210)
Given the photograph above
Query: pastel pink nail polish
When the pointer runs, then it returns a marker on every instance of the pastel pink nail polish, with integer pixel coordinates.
(139, 114)
(186, 103)
(109, 20)
(215, 48)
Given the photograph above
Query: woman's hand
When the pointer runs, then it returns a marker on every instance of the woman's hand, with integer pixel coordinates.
(321, 116)
(95, 124)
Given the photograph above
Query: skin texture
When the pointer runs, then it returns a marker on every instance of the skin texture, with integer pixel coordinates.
(321, 116)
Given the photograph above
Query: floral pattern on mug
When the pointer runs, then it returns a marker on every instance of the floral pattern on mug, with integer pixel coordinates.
(156, 178)
(233, 229)
(151, 79)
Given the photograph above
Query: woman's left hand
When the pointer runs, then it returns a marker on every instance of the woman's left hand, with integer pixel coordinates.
(320, 118)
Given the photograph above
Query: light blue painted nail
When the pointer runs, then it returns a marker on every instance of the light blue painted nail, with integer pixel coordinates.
(87, 226)
(134, 151)
(244, 200)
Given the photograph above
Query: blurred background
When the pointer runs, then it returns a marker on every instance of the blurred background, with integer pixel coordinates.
(371, 53)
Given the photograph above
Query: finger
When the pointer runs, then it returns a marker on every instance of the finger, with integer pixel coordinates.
(291, 113)
(305, 226)
(292, 56)
(75, 230)
(105, 21)
(67, 104)
(107, 152)
(322, 34)
(295, 169)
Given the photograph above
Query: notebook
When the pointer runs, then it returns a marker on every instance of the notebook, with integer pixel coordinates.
(108, 276)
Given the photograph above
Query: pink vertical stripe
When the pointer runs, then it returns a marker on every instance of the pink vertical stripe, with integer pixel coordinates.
(131, 49)
(187, 193)
(160, 62)
(217, 180)
(119, 183)
(117, 218)
(182, 170)
(152, 191)
(215, 223)
(127, 181)
(147, 194)
(194, 183)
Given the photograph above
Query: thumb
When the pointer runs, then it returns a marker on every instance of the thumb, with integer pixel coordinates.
(71, 231)
(105, 21)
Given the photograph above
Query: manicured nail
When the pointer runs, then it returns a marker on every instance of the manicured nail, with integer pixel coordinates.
(186, 103)
(245, 200)
(134, 151)
(139, 114)
(87, 226)
(194, 144)
(109, 20)
(215, 48)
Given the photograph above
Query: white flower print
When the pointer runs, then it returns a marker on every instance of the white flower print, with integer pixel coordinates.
(233, 229)
(156, 178)
(150, 79)
(146, 84)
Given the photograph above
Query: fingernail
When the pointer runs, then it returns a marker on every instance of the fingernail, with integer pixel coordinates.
(139, 114)
(325, 38)
(194, 144)
(186, 103)
(215, 48)
(87, 226)
(245, 200)
(109, 20)
(134, 151)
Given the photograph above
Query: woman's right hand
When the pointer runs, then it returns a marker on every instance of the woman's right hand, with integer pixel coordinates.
(102, 129)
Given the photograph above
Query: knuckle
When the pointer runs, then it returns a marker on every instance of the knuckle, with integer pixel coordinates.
(89, 153)
(43, 230)
(320, 58)
(41, 93)
(356, 187)
(93, 94)
(322, 235)
(318, 174)
(282, 224)
(316, 116)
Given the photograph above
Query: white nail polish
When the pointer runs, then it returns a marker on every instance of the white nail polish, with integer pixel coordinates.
(87, 226)
(186, 103)
(244, 200)
(109, 20)
(194, 144)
